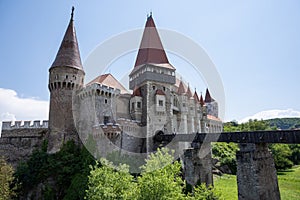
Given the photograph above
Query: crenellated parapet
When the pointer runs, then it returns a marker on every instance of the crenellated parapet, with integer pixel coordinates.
(10, 125)
(97, 89)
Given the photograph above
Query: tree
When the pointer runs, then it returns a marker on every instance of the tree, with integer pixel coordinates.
(63, 174)
(161, 179)
(110, 182)
(281, 154)
(6, 178)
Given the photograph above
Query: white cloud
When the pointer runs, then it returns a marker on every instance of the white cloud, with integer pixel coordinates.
(271, 114)
(13, 107)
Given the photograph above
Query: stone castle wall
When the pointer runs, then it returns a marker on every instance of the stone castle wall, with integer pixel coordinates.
(18, 140)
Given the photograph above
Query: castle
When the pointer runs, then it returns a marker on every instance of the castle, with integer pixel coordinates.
(159, 103)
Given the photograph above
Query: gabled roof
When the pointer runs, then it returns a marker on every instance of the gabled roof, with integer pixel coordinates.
(159, 92)
(208, 98)
(151, 50)
(110, 81)
(68, 54)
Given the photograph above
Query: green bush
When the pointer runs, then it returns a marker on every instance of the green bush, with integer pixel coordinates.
(67, 171)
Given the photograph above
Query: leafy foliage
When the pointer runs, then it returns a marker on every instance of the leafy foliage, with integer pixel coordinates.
(281, 154)
(160, 179)
(284, 123)
(108, 182)
(68, 169)
(6, 178)
(225, 153)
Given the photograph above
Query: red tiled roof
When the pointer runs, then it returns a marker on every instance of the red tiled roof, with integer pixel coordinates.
(68, 54)
(151, 49)
(196, 98)
(110, 81)
(188, 92)
(159, 92)
(181, 89)
(208, 98)
(211, 117)
(136, 92)
(201, 101)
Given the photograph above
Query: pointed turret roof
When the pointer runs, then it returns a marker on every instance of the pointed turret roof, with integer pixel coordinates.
(151, 49)
(201, 100)
(208, 98)
(68, 54)
(188, 92)
(196, 98)
(181, 89)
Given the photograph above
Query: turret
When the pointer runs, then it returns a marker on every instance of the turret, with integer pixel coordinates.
(151, 63)
(211, 104)
(66, 76)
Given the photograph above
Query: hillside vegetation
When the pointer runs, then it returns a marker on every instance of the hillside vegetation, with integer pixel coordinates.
(284, 123)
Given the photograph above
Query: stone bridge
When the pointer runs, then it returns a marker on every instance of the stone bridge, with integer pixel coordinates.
(256, 173)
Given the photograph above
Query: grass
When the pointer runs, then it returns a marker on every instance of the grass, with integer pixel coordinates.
(289, 185)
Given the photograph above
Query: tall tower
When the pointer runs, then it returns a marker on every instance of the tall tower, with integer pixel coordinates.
(66, 76)
(154, 77)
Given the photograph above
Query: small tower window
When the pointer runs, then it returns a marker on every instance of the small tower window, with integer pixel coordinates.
(153, 87)
(138, 104)
(161, 103)
(105, 101)
(106, 119)
(67, 76)
(164, 88)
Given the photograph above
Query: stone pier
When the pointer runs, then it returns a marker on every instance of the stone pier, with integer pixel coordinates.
(256, 173)
(198, 165)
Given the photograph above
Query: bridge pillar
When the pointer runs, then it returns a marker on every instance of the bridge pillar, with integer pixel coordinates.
(198, 165)
(256, 173)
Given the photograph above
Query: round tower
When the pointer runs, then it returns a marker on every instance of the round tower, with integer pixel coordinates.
(66, 76)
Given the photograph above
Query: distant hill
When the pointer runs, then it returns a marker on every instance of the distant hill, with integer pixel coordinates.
(284, 123)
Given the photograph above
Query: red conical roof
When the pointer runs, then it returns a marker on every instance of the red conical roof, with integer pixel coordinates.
(196, 98)
(208, 98)
(68, 54)
(151, 49)
(201, 101)
(188, 92)
(181, 89)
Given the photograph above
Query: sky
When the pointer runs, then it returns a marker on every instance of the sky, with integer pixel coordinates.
(254, 45)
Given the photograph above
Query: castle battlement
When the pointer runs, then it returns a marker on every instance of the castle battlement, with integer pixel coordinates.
(98, 89)
(10, 125)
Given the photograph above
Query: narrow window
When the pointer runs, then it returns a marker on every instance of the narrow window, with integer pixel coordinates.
(67, 76)
(138, 104)
(161, 103)
(105, 101)
(106, 119)
(153, 87)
